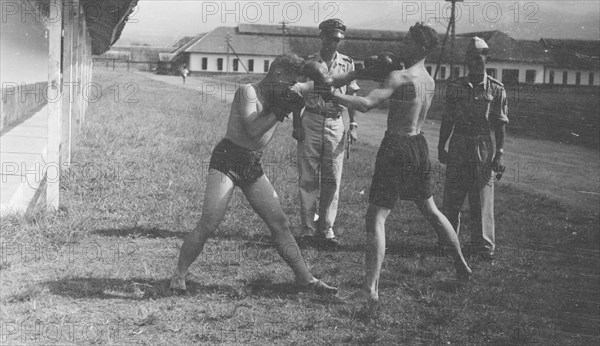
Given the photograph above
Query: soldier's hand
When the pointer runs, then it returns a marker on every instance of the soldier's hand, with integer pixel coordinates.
(298, 133)
(498, 164)
(353, 133)
(443, 156)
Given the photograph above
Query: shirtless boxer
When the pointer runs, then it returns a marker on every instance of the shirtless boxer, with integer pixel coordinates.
(402, 167)
(236, 161)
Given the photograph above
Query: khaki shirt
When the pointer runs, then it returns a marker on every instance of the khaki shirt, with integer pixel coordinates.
(341, 64)
(476, 109)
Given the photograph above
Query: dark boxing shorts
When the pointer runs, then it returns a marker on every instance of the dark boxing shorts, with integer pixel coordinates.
(402, 170)
(241, 165)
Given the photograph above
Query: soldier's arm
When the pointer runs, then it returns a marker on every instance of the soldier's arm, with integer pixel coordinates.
(255, 123)
(500, 134)
(351, 110)
(445, 132)
(499, 116)
(448, 116)
(351, 89)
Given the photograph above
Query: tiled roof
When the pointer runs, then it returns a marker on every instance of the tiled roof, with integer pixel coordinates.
(573, 53)
(247, 44)
(502, 48)
(180, 42)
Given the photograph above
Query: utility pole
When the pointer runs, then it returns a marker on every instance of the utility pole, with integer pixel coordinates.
(227, 40)
(283, 32)
(451, 29)
(452, 36)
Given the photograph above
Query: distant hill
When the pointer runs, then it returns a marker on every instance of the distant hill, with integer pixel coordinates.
(562, 21)
(161, 23)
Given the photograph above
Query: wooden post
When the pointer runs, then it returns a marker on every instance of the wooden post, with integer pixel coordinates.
(67, 86)
(86, 61)
(77, 87)
(54, 105)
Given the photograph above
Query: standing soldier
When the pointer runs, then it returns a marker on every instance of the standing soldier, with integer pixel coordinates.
(476, 106)
(321, 137)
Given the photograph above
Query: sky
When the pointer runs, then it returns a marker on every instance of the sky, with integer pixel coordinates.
(160, 22)
(23, 49)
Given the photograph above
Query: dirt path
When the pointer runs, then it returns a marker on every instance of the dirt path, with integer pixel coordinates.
(562, 172)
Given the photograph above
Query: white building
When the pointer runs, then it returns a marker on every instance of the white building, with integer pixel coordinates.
(250, 48)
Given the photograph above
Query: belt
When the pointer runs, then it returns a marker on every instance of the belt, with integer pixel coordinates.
(324, 113)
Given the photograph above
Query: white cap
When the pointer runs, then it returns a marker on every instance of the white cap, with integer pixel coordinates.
(477, 45)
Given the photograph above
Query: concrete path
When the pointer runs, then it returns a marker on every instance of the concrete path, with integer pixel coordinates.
(22, 158)
(567, 173)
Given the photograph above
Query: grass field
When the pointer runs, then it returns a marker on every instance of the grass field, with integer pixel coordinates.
(97, 272)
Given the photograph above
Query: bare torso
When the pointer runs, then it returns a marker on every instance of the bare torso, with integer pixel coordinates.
(235, 128)
(411, 99)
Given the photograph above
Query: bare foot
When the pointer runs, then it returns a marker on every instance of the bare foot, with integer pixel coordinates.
(177, 283)
(318, 287)
(360, 297)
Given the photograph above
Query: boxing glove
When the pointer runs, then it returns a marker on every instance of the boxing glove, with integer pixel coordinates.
(288, 101)
(378, 67)
(323, 82)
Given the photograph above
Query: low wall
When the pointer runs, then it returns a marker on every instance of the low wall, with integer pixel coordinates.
(20, 101)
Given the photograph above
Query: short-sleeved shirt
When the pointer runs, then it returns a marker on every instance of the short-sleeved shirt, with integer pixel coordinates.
(476, 108)
(341, 64)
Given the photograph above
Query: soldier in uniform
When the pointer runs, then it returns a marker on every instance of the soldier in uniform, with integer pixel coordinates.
(476, 107)
(321, 135)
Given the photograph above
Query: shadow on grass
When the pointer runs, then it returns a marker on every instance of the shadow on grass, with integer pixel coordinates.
(135, 288)
(288, 291)
(402, 249)
(144, 289)
(153, 232)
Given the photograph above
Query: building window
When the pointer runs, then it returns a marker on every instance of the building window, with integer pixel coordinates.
(530, 76)
(492, 72)
(578, 78)
(565, 75)
(266, 68)
(428, 70)
(204, 64)
(443, 72)
(510, 76)
(591, 78)
(251, 65)
(236, 63)
(456, 73)
(220, 64)
(551, 77)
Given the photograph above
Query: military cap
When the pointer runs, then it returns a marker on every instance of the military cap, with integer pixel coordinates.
(477, 46)
(333, 27)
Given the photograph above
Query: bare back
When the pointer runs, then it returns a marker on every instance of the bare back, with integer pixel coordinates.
(247, 103)
(413, 92)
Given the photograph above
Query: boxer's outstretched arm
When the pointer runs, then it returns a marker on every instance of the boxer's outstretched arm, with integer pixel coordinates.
(255, 124)
(364, 104)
